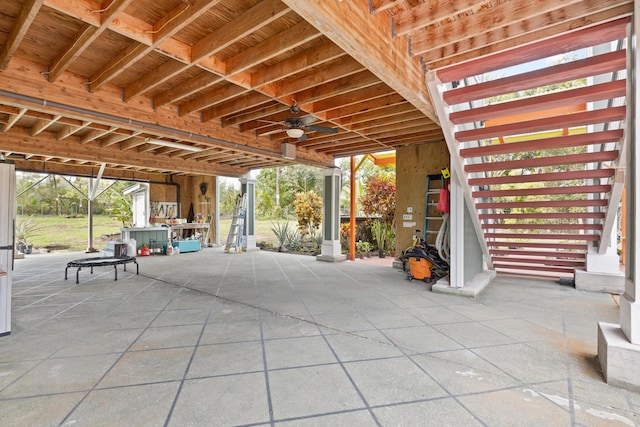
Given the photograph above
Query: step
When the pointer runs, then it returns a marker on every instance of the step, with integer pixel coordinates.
(543, 204)
(543, 191)
(543, 177)
(539, 245)
(536, 162)
(521, 226)
(605, 63)
(563, 98)
(548, 261)
(553, 254)
(544, 144)
(523, 268)
(586, 118)
(544, 215)
(546, 236)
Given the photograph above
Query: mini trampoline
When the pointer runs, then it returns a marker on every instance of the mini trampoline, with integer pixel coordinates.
(100, 262)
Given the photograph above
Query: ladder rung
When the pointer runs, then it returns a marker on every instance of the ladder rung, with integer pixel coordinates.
(435, 218)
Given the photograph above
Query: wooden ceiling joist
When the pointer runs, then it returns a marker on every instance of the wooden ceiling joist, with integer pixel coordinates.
(210, 73)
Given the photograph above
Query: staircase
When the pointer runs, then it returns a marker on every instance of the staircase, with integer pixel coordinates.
(540, 146)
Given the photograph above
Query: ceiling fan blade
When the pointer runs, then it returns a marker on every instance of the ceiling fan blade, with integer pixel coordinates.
(321, 129)
(303, 137)
(307, 120)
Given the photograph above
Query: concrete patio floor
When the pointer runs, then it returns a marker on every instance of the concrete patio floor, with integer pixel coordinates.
(261, 338)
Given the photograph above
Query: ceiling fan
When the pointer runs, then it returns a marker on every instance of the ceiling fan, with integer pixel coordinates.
(296, 126)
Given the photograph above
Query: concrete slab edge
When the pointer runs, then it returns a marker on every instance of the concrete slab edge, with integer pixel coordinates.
(599, 282)
(470, 289)
(329, 258)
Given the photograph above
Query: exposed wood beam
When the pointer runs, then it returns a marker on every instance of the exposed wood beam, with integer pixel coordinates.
(68, 92)
(28, 13)
(253, 115)
(366, 38)
(381, 5)
(319, 75)
(487, 19)
(46, 144)
(233, 106)
(211, 98)
(274, 46)
(163, 30)
(367, 89)
(13, 119)
(41, 166)
(309, 58)
(370, 105)
(131, 143)
(85, 38)
(429, 13)
(42, 124)
(259, 16)
(198, 83)
(375, 115)
(95, 134)
(114, 138)
(364, 79)
(69, 130)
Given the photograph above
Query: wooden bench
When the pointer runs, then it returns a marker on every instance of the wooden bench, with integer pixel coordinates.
(101, 262)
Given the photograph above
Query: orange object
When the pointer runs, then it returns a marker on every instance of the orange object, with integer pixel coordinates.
(420, 268)
(145, 251)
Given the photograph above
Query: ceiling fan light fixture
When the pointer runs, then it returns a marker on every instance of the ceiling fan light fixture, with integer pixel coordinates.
(294, 133)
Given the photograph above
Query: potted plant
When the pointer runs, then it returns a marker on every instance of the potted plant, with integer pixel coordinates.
(363, 248)
(379, 232)
(25, 229)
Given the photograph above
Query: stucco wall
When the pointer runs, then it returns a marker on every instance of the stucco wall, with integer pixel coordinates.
(413, 164)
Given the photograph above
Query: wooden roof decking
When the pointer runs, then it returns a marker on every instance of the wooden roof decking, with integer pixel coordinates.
(89, 82)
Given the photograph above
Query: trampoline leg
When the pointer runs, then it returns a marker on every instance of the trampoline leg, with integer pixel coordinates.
(78, 275)
(115, 269)
(65, 273)
(137, 268)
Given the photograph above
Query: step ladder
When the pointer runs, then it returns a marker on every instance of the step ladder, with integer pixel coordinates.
(234, 239)
(435, 183)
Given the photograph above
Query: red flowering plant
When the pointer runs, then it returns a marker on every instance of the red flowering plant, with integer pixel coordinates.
(379, 200)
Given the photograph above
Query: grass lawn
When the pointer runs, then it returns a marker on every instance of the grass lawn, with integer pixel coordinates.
(57, 233)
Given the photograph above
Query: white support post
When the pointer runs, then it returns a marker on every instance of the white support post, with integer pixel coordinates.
(456, 233)
(7, 241)
(619, 345)
(248, 185)
(331, 250)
